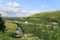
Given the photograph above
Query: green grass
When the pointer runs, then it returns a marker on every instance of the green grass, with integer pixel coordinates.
(45, 18)
(47, 14)
(43, 31)
(11, 28)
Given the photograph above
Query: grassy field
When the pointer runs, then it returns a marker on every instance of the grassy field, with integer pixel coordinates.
(46, 27)
(11, 28)
(34, 32)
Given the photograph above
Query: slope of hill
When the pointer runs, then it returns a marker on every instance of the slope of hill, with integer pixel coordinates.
(48, 25)
(46, 16)
(44, 30)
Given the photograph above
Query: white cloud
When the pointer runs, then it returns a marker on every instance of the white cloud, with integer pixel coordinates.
(13, 4)
(13, 9)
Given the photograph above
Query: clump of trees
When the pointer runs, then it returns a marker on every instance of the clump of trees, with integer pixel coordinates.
(2, 26)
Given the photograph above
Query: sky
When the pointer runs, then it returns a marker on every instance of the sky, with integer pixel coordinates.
(23, 8)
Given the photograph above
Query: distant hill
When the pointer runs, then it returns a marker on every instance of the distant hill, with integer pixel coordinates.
(46, 16)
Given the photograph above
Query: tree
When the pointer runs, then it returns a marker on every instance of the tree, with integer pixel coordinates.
(2, 26)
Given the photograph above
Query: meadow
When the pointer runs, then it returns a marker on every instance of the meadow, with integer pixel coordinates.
(46, 27)
(11, 28)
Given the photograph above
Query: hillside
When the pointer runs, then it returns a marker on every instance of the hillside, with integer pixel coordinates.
(47, 14)
(45, 17)
(46, 27)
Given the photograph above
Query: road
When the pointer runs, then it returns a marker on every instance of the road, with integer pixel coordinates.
(17, 22)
